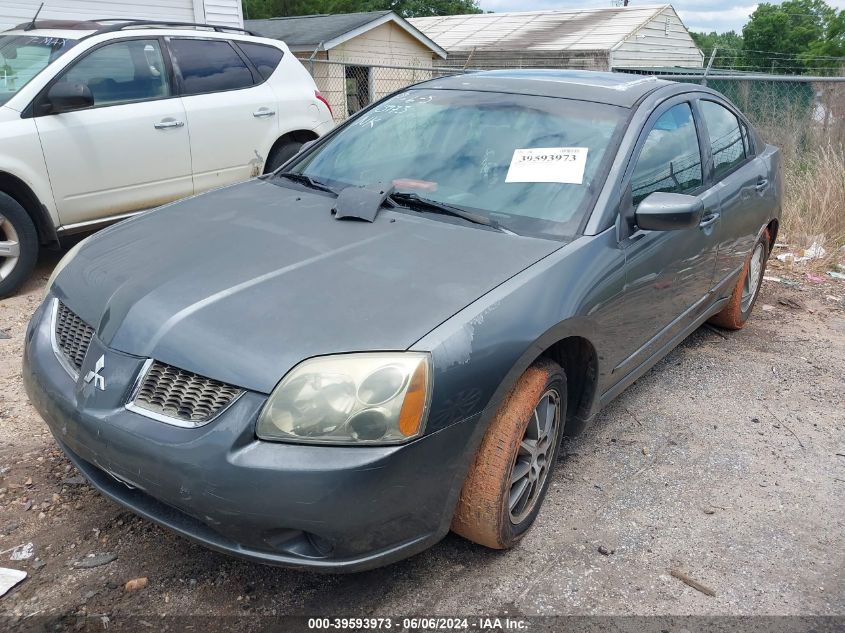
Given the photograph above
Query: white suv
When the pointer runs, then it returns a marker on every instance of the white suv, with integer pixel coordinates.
(101, 120)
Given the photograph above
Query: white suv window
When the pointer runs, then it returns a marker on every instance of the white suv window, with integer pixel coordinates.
(209, 66)
(123, 72)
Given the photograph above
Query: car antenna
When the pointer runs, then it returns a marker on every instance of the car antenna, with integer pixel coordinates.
(34, 18)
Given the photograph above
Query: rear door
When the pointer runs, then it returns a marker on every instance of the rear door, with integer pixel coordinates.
(741, 182)
(130, 151)
(232, 112)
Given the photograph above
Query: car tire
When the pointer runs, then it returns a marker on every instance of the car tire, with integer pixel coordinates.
(491, 510)
(281, 154)
(19, 237)
(736, 313)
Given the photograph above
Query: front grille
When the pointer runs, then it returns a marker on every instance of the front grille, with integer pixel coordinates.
(183, 395)
(73, 336)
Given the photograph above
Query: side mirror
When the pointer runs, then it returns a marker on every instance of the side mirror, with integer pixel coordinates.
(306, 145)
(663, 211)
(66, 96)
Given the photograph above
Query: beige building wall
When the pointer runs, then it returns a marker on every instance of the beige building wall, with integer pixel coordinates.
(355, 82)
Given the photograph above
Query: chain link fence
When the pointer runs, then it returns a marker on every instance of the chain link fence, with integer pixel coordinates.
(770, 101)
(349, 87)
(804, 116)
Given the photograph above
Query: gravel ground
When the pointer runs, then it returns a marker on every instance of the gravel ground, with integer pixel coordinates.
(726, 462)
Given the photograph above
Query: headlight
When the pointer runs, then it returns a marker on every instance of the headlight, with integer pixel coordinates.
(63, 262)
(350, 399)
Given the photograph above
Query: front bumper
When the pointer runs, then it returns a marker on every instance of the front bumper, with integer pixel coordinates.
(320, 507)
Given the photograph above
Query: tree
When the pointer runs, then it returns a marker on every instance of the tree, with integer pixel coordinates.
(426, 8)
(787, 30)
(728, 47)
(256, 9)
(829, 52)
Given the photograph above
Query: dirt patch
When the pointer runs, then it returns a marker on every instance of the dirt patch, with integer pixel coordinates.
(726, 461)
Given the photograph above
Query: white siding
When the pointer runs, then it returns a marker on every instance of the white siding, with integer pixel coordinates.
(225, 12)
(662, 41)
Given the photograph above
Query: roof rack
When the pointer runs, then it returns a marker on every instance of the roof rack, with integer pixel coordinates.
(100, 26)
(124, 23)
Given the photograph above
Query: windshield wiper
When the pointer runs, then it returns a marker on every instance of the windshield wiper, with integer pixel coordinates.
(404, 199)
(308, 181)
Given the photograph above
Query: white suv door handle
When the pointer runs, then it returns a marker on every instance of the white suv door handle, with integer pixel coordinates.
(262, 112)
(163, 125)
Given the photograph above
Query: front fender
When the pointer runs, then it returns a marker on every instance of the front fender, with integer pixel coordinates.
(480, 352)
(21, 158)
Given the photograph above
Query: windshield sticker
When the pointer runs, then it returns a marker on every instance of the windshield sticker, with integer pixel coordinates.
(563, 165)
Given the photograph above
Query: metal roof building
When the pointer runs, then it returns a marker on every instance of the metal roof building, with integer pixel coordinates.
(633, 37)
(307, 33)
(343, 52)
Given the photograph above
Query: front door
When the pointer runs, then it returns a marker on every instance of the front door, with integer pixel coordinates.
(128, 152)
(232, 114)
(668, 274)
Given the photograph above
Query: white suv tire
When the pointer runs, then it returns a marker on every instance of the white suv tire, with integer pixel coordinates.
(18, 245)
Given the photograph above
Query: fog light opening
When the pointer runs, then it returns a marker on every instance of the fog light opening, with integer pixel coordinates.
(369, 425)
(323, 547)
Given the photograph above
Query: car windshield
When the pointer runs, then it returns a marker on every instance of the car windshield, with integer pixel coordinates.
(24, 56)
(529, 163)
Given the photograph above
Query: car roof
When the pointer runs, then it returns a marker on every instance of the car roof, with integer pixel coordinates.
(619, 89)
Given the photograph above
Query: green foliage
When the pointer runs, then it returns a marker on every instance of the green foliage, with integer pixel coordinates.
(256, 9)
(788, 29)
(822, 53)
(728, 48)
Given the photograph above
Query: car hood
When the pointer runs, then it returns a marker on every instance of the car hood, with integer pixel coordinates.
(243, 283)
(7, 114)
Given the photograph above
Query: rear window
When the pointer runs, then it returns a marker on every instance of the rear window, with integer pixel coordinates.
(727, 143)
(209, 66)
(265, 58)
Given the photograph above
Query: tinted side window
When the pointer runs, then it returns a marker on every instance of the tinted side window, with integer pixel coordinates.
(209, 66)
(264, 58)
(123, 72)
(726, 140)
(670, 159)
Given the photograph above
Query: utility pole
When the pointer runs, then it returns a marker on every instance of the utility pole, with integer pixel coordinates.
(709, 64)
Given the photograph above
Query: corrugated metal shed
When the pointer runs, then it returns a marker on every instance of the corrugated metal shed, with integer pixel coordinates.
(614, 37)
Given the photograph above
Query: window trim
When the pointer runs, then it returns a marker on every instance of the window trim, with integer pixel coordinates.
(31, 111)
(626, 206)
(705, 135)
(257, 79)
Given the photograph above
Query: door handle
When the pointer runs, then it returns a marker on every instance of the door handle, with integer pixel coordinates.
(708, 220)
(263, 112)
(164, 125)
(762, 184)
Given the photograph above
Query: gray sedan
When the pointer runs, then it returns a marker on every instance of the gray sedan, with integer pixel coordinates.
(333, 365)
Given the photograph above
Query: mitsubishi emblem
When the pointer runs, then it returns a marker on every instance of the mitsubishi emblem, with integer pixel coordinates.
(95, 376)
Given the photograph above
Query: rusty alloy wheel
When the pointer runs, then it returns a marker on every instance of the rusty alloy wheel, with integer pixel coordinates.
(735, 314)
(508, 480)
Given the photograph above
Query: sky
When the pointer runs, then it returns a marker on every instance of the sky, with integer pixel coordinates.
(698, 15)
